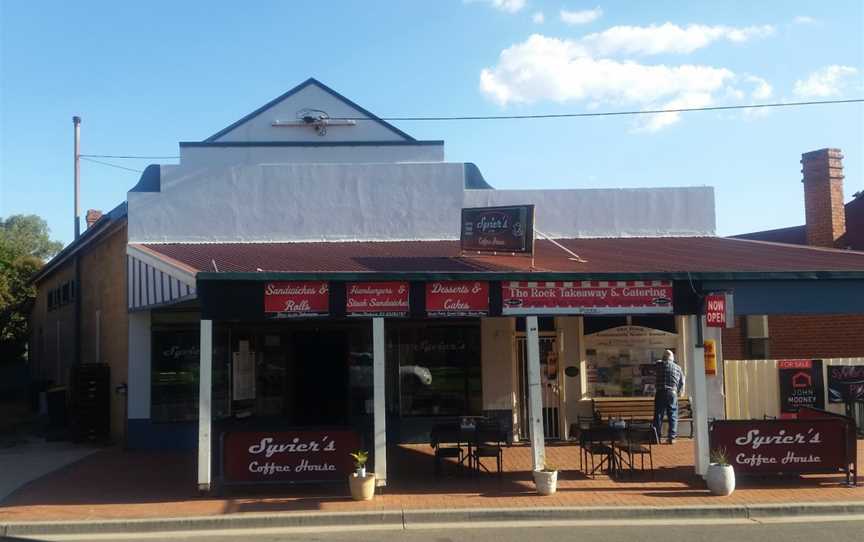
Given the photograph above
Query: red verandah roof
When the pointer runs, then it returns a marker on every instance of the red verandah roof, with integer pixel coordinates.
(604, 256)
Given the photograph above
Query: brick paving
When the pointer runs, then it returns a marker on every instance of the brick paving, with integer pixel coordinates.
(117, 484)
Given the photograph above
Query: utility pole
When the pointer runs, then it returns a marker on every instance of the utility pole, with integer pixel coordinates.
(76, 121)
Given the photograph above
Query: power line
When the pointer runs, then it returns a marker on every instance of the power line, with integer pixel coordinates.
(135, 157)
(83, 157)
(604, 113)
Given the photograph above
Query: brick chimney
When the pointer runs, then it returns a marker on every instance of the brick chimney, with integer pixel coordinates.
(823, 196)
(92, 216)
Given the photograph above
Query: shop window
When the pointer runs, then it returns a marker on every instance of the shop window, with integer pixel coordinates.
(174, 374)
(621, 359)
(438, 369)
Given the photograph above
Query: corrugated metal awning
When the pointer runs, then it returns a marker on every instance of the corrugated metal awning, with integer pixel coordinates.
(154, 280)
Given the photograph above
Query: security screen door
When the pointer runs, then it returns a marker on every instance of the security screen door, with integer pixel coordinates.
(549, 383)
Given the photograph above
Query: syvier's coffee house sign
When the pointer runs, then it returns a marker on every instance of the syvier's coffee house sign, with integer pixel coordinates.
(288, 456)
(498, 229)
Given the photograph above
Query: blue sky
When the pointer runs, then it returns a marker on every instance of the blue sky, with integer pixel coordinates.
(145, 75)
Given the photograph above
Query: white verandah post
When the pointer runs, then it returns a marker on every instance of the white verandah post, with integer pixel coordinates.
(535, 398)
(379, 426)
(205, 392)
(698, 395)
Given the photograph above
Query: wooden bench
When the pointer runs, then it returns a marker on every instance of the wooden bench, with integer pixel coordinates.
(638, 408)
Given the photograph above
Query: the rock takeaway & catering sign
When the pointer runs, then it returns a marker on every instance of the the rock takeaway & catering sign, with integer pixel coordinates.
(801, 385)
(587, 297)
(288, 456)
(498, 229)
(288, 299)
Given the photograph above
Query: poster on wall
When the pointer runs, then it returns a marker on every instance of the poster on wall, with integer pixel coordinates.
(498, 229)
(587, 297)
(801, 385)
(457, 298)
(376, 299)
(845, 383)
(289, 456)
(288, 299)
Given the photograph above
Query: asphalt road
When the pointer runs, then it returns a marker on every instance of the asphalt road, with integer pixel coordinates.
(799, 531)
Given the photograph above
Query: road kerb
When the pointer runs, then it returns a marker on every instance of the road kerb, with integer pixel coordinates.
(419, 518)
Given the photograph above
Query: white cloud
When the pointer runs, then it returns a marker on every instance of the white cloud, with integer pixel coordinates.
(803, 19)
(668, 38)
(581, 17)
(762, 90)
(508, 6)
(826, 82)
(538, 17)
(544, 68)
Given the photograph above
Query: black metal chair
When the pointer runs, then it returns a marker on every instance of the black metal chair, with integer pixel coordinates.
(598, 441)
(489, 440)
(638, 441)
(582, 423)
(448, 442)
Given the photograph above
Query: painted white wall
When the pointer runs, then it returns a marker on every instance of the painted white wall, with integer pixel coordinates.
(624, 212)
(259, 128)
(301, 202)
(714, 383)
(194, 158)
(497, 363)
(139, 366)
(569, 334)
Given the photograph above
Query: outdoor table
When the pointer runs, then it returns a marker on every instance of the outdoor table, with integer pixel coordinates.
(605, 435)
(456, 433)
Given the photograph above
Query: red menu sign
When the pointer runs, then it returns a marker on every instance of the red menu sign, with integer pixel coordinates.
(457, 298)
(376, 299)
(297, 298)
(289, 456)
(764, 446)
(587, 297)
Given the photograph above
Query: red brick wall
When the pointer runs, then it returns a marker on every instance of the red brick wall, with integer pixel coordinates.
(833, 336)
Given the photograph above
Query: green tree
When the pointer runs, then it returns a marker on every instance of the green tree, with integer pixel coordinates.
(25, 245)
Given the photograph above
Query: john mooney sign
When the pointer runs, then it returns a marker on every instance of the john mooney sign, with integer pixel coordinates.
(288, 456)
(498, 229)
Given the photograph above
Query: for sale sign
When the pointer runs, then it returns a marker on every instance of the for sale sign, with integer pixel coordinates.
(587, 297)
(457, 298)
(377, 299)
(289, 456)
(801, 385)
(297, 299)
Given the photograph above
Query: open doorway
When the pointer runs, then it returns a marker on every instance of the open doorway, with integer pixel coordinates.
(320, 378)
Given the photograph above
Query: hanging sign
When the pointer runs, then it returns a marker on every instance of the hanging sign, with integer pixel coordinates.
(498, 229)
(845, 383)
(297, 299)
(289, 456)
(587, 297)
(715, 310)
(457, 298)
(801, 385)
(376, 299)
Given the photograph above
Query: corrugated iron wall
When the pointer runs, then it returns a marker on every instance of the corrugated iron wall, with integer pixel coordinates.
(752, 387)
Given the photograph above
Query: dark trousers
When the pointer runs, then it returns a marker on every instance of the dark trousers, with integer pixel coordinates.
(666, 405)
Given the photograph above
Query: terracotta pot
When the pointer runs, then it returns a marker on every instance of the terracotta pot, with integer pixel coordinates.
(546, 481)
(362, 487)
(720, 479)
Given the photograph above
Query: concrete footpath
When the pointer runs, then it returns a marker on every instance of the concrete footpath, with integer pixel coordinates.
(30, 458)
(419, 519)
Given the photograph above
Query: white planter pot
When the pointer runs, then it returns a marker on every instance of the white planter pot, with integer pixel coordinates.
(720, 479)
(546, 481)
(362, 488)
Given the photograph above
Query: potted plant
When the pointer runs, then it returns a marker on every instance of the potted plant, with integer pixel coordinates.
(721, 476)
(546, 480)
(362, 486)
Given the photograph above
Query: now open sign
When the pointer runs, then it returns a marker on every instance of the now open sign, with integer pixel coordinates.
(715, 310)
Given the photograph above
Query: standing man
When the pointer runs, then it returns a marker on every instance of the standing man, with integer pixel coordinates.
(670, 384)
